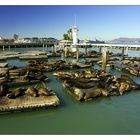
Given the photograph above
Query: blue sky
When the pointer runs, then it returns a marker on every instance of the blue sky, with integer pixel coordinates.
(102, 22)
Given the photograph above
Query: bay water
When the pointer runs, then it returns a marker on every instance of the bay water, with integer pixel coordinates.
(103, 115)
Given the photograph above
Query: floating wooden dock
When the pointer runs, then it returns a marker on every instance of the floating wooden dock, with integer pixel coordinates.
(24, 55)
(20, 83)
(27, 102)
(30, 57)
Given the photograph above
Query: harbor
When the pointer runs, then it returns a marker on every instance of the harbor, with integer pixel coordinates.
(79, 77)
(40, 62)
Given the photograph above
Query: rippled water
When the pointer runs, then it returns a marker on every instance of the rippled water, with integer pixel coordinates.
(104, 115)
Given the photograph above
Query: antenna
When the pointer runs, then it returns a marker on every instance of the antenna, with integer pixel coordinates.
(75, 20)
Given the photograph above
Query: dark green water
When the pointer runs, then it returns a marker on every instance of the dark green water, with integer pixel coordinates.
(104, 115)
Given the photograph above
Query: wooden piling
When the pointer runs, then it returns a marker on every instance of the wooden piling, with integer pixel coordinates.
(104, 59)
(126, 51)
(110, 49)
(66, 51)
(52, 49)
(15, 47)
(77, 53)
(123, 53)
(9, 47)
(85, 50)
(55, 48)
(62, 56)
(43, 47)
(100, 49)
(3, 48)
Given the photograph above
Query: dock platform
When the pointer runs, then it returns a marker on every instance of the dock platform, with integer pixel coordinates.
(30, 57)
(27, 102)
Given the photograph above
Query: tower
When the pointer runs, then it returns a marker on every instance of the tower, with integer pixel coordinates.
(75, 33)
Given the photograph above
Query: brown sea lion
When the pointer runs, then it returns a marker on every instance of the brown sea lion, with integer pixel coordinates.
(32, 91)
(123, 87)
(16, 93)
(44, 91)
(3, 90)
(85, 94)
(91, 93)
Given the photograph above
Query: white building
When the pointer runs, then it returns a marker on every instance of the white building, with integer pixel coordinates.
(75, 35)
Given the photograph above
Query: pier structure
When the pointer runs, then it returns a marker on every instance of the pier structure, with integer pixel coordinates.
(75, 47)
(24, 45)
(112, 46)
(73, 44)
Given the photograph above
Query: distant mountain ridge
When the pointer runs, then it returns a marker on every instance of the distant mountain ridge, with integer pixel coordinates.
(125, 40)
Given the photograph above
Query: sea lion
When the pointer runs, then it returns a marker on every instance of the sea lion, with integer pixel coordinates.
(78, 93)
(44, 91)
(123, 87)
(91, 93)
(104, 92)
(16, 93)
(126, 80)
(32, 91)
(3, 90)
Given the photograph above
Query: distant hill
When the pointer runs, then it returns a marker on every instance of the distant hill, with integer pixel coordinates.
(126, 40)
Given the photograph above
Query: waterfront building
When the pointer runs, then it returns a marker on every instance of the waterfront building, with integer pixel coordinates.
(49, 41)
(27, 40)
(65, 42)
(52, 41)
(35, 40)
(43, 39)
(20, 40)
